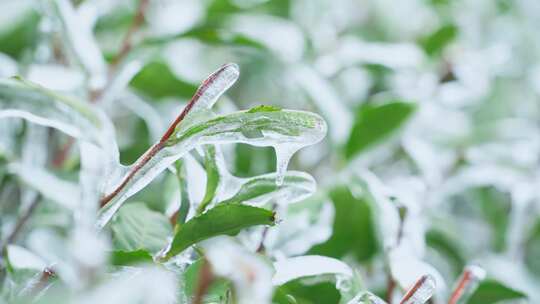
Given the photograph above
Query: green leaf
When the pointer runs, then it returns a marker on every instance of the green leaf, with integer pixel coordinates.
(447, 247)
(491, 291)
(157, 81)
(532, 250)
(438, 40)
(295, 292)
(125, 258)
(224, 219)
(21, 34)
(375, 123)
(212, 176)
(264, 108)
(353, 228)
(136, 227)
(217, 291)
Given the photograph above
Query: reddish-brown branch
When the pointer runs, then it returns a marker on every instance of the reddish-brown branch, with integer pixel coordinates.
(461, 286)
(127, 42)
(95, 95)
(414, 289)
(161, 144)
(391, 286)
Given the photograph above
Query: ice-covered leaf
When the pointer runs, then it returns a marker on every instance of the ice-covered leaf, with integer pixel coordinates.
(250, 273)
(136, 227)
(224, 219)
(80, 40)
(213, 176)
(51, 187)
(261, 189)
(20, 98)
(374, 123)
(22, 258)
(285, 130)
(327, 101)
(306, 266)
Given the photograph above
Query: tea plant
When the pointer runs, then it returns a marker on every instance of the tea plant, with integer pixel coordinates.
(358, 151)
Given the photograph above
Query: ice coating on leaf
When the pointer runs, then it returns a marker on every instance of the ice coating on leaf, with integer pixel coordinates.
(261, 128)
(215, 85)
(421, 291)
(366, 297)
(250, 274)
(300, 228)
(22, 258)
(20, 98)
(209, 92)
(149, 284)
(406, 267)
(306, 266)
(259, 190)
(327, 100)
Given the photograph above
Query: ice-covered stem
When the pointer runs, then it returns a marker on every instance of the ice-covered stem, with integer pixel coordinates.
(421, 291)
(204, 89)
(466, 284)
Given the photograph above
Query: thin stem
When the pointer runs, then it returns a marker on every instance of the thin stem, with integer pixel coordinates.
(21, 222)
(467, 283)
(205, 280)
(261, 248)
(127, 43)
(150, 153)
(460, 288)
(95, 95)
(414, 289)
(391, 286)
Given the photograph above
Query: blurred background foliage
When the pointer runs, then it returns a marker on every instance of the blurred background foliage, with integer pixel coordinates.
(437, 101)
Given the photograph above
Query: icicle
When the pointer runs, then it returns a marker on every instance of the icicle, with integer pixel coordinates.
(468, 282)
(284, 152)
(422, 290)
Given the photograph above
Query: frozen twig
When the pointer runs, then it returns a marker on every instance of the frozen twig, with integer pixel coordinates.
(202, 91)
(421, 291)
(466, 284)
